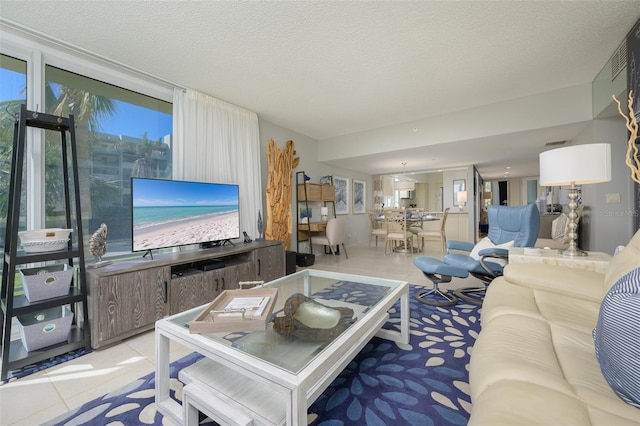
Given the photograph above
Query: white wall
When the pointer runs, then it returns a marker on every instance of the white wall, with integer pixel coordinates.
(307, 149)
(607, 225)
(434, 182)
(447, 178)
(545, 110)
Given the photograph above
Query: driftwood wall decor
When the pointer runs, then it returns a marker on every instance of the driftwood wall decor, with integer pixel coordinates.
(280, 165)
(632, 160)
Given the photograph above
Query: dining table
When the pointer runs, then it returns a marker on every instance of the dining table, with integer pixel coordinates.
(413, 222)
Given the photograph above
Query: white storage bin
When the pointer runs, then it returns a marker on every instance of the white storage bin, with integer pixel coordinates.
(45, 328)
(46, 282)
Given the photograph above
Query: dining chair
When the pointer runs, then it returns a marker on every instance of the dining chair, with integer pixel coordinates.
(378, 229)
(438, 234)
(415, 220)
(397, 232)
(335, 235)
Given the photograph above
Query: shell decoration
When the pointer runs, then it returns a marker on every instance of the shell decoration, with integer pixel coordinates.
(98, 242)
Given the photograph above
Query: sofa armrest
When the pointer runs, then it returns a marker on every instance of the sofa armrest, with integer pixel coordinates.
(557, 279)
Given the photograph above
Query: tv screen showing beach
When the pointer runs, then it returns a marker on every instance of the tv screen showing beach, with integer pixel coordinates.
(169, 213)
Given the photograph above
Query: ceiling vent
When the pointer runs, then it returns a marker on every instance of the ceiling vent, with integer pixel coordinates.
(556, 143)
(619, 60)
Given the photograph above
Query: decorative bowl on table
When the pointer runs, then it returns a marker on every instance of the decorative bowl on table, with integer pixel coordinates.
(44, 240)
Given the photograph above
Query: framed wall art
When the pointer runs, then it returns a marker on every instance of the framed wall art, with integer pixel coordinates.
(459, 185)
(359, 196)
(342, 194)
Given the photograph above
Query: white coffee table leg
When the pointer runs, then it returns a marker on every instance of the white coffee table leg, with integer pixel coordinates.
(404, 317)
(299, 407)
(164, 403)
(403, 335)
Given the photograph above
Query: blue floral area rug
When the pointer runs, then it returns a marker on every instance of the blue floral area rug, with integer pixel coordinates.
(422, 383)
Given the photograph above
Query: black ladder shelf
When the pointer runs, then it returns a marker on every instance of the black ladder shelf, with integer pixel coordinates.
(305, 227)
(14, 354)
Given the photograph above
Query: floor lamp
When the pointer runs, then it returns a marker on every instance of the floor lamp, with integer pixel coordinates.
(575, 165)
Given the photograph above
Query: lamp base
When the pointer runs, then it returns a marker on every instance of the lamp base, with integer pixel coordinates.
(573, 252)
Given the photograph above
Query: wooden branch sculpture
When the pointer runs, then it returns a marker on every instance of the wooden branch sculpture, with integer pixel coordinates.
(631, 159)
(280, 165)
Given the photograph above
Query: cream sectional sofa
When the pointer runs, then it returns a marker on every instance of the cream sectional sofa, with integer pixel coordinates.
(534, 362)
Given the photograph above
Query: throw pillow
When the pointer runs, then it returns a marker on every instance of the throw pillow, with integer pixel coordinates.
(560, 228)
(617, 337)
(487, 243)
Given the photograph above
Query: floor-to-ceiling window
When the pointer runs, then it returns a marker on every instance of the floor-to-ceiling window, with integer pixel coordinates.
(13, 78)
(120, 132)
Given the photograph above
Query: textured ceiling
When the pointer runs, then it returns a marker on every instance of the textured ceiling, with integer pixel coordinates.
(326, 69)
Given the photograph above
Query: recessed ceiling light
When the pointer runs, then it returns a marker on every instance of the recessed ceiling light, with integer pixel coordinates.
(415, 129)
(507, 167)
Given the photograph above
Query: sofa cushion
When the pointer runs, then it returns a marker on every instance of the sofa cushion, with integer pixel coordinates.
(560, 229)
(617, 337)
(520, 403)
(504, 297)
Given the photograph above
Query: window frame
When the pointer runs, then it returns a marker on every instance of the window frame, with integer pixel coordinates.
(39, 51)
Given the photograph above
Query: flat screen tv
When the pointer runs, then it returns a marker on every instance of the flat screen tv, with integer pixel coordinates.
(170, 213)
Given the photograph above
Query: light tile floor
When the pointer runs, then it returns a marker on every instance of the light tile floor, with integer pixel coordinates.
(45, 395)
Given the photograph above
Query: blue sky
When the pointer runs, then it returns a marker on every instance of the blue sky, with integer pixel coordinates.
(152, 192)
(129, 120)
(11, 85)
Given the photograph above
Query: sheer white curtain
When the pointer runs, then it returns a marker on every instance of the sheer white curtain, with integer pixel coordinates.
(214, 141)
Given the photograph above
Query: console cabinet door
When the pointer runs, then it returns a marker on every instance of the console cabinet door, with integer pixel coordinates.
(125, 303)
(189, 291)
(244, 271)
(269, 262)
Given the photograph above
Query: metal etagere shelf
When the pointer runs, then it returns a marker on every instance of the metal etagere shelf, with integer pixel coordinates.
(312, 192)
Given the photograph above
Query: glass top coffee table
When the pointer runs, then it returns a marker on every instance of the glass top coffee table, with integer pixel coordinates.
(270, 377)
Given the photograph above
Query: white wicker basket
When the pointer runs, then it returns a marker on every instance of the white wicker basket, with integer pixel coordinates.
(44, 240)
(44, 246)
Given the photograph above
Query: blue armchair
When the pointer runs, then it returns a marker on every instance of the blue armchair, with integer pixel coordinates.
(508, 226)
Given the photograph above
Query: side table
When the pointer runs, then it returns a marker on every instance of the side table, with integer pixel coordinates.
(594, 261)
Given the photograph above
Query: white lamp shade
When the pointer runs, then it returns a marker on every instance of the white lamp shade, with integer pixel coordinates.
(461, 197)
(579, 164)
(324, 211)
(405, 185)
